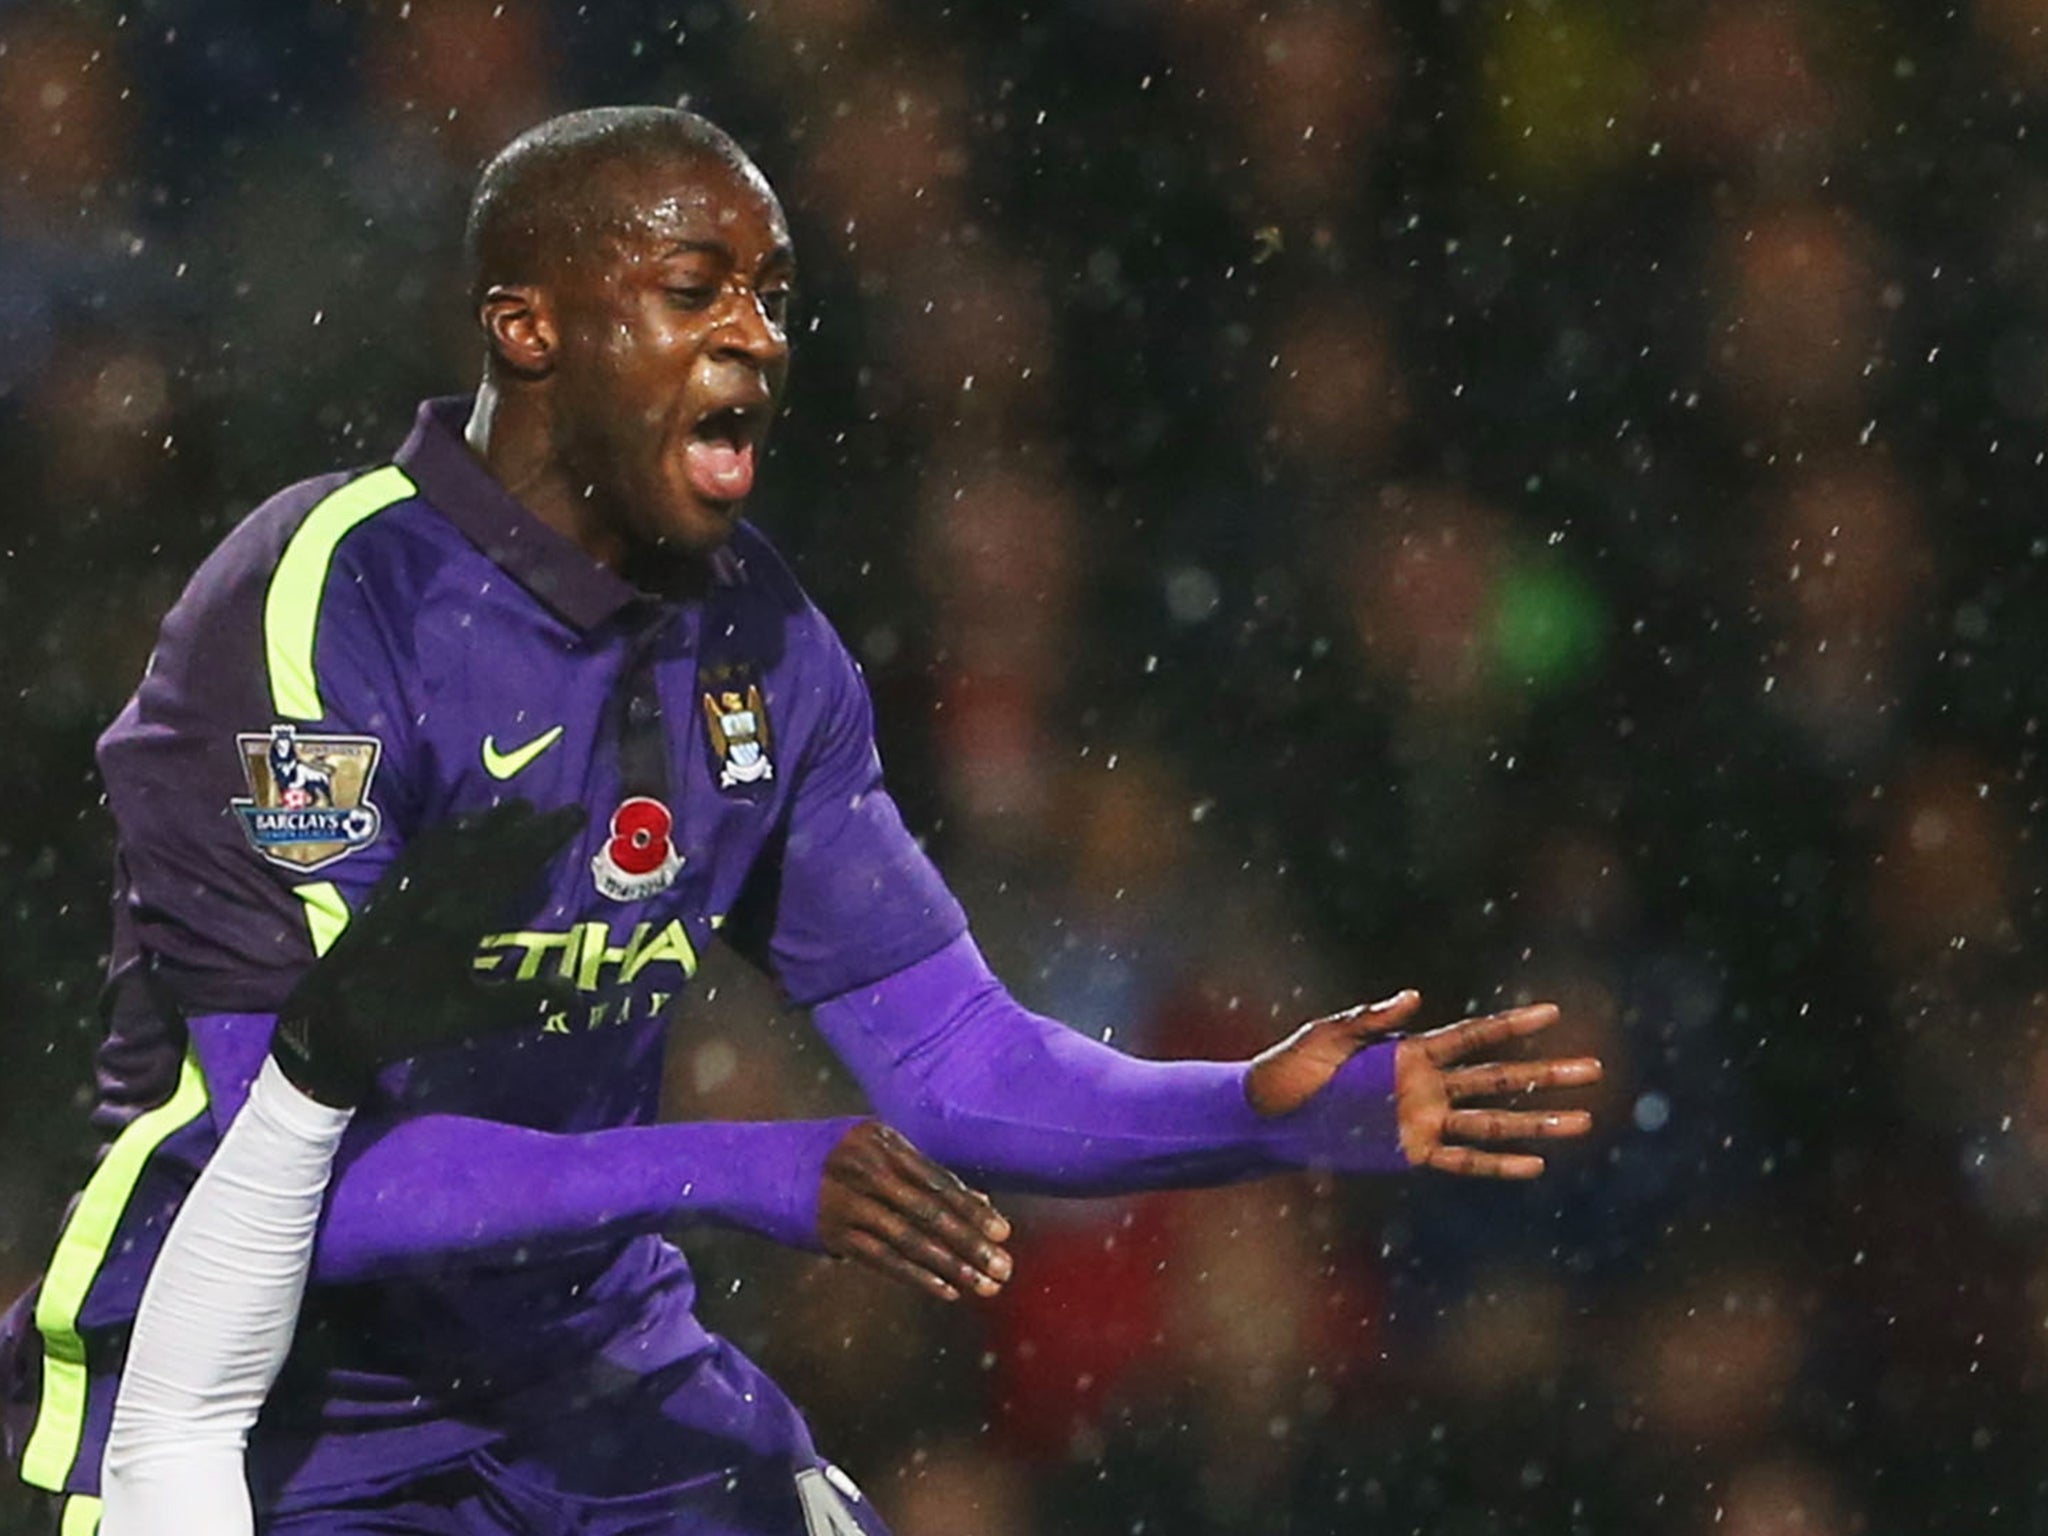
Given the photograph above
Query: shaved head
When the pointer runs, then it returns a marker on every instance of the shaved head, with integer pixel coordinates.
(569, 181)
(631, 270)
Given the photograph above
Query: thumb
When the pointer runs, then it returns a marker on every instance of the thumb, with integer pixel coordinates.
(1283, 1077)
(1368, 1020)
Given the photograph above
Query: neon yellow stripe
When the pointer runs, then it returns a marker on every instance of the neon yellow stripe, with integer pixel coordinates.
(60, 1421)
(326, 912)
(291, 610)
(81, 1516)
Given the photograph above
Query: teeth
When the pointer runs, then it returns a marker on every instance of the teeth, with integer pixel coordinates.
(730, 421)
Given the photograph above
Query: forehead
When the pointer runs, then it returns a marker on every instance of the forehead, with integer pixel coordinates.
(691, 199)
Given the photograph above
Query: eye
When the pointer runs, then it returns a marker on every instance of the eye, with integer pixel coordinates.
(775, 301)
(692, 295)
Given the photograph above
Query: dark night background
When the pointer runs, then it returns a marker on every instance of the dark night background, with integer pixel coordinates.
(1533, 499)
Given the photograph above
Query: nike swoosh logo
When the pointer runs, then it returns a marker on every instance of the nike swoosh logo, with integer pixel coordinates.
(502, 765)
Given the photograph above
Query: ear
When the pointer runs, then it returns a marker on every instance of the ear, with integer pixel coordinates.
(518, 319)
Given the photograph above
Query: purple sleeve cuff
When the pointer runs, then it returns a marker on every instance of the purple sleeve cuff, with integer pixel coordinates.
(764, 1178)
(1023, 1102)
(1350, 1127)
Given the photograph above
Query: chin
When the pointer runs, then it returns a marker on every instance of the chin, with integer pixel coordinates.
(699, 528)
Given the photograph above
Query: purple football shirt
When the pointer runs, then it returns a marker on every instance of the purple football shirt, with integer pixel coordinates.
(368, 654)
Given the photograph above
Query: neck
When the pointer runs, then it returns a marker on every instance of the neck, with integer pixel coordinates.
(513, 433)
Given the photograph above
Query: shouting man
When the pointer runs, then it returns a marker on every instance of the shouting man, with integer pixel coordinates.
(549, 595)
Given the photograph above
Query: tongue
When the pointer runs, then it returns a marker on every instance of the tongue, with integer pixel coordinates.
(719, 471)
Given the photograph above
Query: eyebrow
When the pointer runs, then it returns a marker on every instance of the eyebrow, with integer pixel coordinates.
(783, 252)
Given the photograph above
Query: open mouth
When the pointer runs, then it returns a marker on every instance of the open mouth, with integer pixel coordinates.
(719, 456)
(740, 426)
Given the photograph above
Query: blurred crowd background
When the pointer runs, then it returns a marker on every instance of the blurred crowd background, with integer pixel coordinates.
(1517, 499)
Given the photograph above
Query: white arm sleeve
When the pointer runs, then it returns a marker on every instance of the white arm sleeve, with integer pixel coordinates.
(216, 1319)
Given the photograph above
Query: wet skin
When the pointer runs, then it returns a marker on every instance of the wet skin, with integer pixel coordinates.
(630, 393)
(626, 405)
(627, 402)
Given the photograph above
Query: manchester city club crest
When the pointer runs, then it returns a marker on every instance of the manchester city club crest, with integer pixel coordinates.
(739, 735)
(309, 796)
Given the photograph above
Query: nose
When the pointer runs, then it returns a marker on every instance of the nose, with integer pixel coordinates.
(747, 332)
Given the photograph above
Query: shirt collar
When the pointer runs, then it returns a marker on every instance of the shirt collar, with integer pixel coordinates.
(548, 565)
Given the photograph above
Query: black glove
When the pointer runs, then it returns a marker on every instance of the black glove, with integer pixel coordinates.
(400, 980)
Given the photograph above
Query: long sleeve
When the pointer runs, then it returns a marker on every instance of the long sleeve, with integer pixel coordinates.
(420, 1190)
(1018, 1101)
(413, 1192)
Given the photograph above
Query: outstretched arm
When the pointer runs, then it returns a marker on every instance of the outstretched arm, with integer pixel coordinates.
(449, 1190)
(1019, 1101)
(424, 1191)
(432, 1191)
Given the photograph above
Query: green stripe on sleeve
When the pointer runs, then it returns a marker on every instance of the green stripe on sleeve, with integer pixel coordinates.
(81, 1250)
(291, 609)
(326, 912)
(81, 1516)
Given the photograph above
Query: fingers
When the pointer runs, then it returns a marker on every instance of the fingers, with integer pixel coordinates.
(968, 1207)
(1454, 1042)
(915, 1220)
(1473, 1163)
(938, 1257)
(955, 1228)
(1497, 1079)
(1453, 1131)
(474, 872)
(1515, 1125)
(878, 1253)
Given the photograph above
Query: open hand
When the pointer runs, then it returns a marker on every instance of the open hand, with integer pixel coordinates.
(888, 1205)
(1435, 1075)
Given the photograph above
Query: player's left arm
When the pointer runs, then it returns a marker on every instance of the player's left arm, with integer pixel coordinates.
(1019, 1101)
(860, 926)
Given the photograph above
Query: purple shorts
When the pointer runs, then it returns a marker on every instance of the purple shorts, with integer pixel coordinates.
(708, 1447)
(485, 1497)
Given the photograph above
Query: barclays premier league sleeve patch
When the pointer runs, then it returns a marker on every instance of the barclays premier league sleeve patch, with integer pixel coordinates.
(309, 796)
